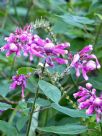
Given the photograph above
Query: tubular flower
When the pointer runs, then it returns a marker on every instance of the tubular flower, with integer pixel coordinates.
(52, 52)
(23, 41)
(88, 100)
(84, 62)
(16, 41)
(18, 80)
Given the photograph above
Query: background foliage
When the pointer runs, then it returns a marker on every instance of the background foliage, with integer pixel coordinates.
(76, 21)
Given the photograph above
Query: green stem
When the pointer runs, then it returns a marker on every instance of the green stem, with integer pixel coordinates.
(32, 111)
(51, 34)
(13, 115)
(47, 107)
(13, 65)
(73, 82)
(43, 68)
(64, 95)
(15, 10)
(100, 128)
(13, 3)
(6, 100)
(33, 106)
(97, 35)
(30, 4)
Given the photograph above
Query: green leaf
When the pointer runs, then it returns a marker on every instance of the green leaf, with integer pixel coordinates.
(8, 129)
(70, 112)
(22, 105)
(40, 101)
(2, 41)
(21, 122)
(25, 70)
(96, 82)
(4, 106)
(32, 84)
(99, 15)
(65, 129)
(50, 91)
(4, 88)
(76, 21)
(3, 59)
(20, 11)
(59, 69)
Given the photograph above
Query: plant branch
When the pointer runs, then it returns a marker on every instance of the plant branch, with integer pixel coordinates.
(64, 94)
(43, 68)
(97, 35)
(100, 128)
(52, 35)
(32, 111)
(75, 85)
(33, 106)
(6, 100)
(47, 107)
(28, 10)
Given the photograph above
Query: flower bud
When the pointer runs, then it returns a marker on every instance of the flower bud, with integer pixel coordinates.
(88, 86)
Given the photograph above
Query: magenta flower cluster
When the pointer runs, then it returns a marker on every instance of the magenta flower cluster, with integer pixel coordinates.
(19, 80)
(88, 100)
(84, 61)
(22, 41)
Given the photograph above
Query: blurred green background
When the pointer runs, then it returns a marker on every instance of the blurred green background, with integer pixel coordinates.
(76, 21)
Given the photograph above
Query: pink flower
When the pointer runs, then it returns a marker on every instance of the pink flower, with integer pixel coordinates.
(52, 52)
(88, 100)
(88, 86)
(19, 80)
(90, 110)
(84, 62)
(23, 41)
(60, 60)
